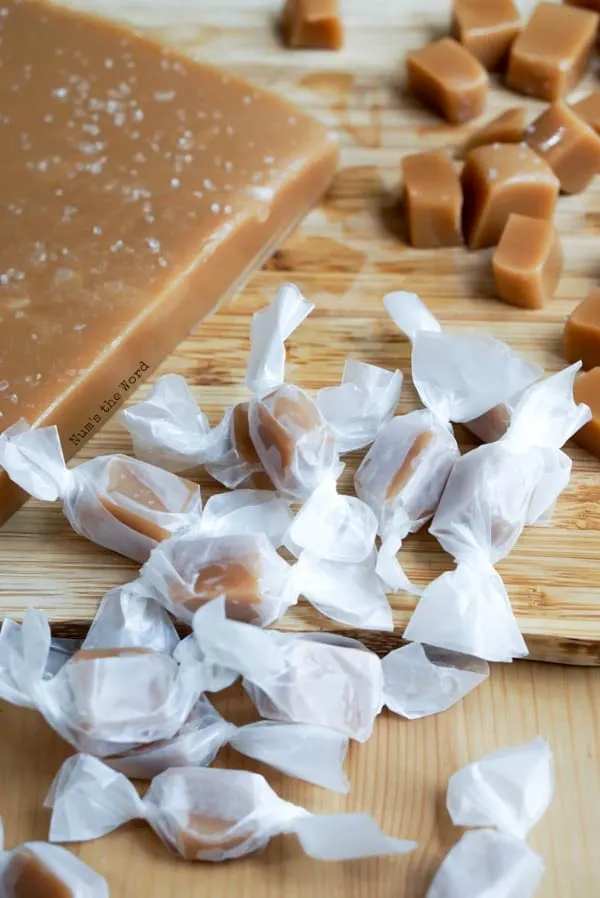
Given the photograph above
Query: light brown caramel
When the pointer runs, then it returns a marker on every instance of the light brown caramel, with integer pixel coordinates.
(581, 341)
(569, 146)
(432, 200)
(486, 28)
(139, 188)
(125, 483)
(508, 127)
(589, 110)
(241, 433)
(587, 389)
(499, 180)
(96, 654)
(238, 580)
(549, 57)
(447, 78)
(528, 261)
(193, 838)
(492, 425)
(274, 432)
(27, 877)
(406, 469)
(313, 24)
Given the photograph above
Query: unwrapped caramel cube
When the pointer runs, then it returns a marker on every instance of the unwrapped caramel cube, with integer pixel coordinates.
(312, 24)
(508, 127)
(527, 262)
(589, 109)
(432, 200)
(486, 28)
(549, 57)
(581, 340)
(447, 78)
(587, 389)
(569, 146)
(501, 179)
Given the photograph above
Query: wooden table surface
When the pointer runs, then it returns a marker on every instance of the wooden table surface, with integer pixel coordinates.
(347, 254)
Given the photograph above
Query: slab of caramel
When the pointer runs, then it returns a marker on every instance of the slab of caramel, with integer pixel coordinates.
(587, 389)
(569, 146)
(549, 57)
(313, 24)
(26, 876)
(589, 109)
(432, 200)
(486, 28)
(528, 261)
(498, 180)
(581, 341)
(139, 189)
(406, 469)
(508, 127)
(446, 77)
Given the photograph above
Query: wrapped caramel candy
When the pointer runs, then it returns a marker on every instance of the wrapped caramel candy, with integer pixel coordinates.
(128, 619)
(401, 479)
(492, 493)
(42, 870)
(103, 700)
(115, 501)
(204, 814)
(468, 379)
(311, 753)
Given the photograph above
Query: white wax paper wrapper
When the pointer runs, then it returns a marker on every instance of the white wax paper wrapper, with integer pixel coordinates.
(488, 864)
(401, 478)
(311, 753)
(168, 428)
(247, 512)
(118, 502)
(421, 680)
(333, 526)
(105, 701)
(51, 867)
(296, 679)
(459, 377)
(293, 441)
(491, 494)
(509, 789)
(360, 405)
(467, 610)
(271, 327)
(127, 618)
(193, 568)
(205, 813)
(349, 593)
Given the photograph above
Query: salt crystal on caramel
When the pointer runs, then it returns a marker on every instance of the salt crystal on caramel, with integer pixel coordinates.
(587, 390)
(528, 261)
(550, 55)
(487, 29)
(499, 180)
(446, 77)
(581, 340)
(315, 24)
(432, 200)
(569, 146)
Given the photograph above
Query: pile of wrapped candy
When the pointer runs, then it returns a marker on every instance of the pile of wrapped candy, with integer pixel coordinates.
(132, 698)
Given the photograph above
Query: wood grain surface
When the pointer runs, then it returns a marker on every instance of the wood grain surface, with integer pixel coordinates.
(346, 255)
(399, 776)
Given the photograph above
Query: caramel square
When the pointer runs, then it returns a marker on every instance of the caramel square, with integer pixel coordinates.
(528, 261)
(508, 127)
(313, 24)
(550, 55)
(569, 146)
(581, 340)
(448, 79)
(432, 200)
(587, 389)
(487, 29)
(589, 110)
(501, 179)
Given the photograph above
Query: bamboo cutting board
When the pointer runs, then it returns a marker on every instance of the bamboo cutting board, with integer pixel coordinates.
(346, 255)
